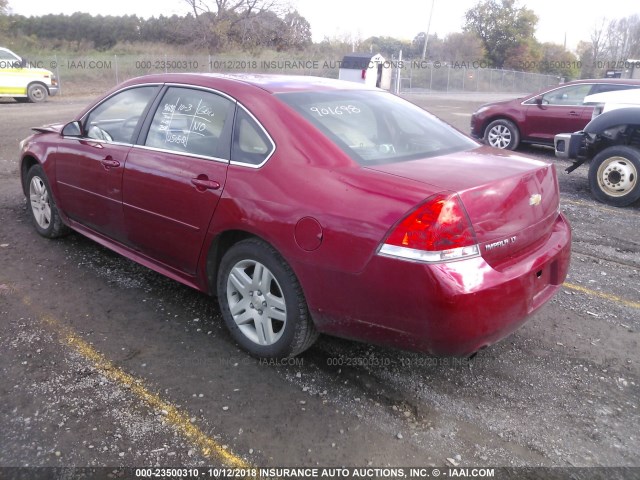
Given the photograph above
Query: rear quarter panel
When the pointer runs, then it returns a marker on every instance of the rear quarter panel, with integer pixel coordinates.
(309, 176)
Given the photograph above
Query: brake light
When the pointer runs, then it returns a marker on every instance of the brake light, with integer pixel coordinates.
(438, 230)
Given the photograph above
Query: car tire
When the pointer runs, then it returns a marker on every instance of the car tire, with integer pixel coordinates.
(502, 134)
(37, 93)
(262, 301)
(613, 176)
(41, 205)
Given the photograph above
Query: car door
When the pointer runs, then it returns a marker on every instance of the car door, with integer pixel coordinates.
(89, 168)
(174, 178)
(557, 111)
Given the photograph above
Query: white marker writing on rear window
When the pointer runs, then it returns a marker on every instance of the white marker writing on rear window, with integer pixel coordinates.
(337, 110)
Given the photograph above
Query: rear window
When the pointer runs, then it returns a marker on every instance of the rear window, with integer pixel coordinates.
(375, 127)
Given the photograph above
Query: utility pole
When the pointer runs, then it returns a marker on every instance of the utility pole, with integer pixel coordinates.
(426, 38)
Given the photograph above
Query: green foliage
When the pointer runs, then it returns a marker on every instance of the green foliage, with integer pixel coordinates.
(4, 22)
(243, 29)
(556, 60)
(387, 46)
(435, 47)
(466, 47)
(502, 27)
(523, 56)
(102, 32)
(587, 60)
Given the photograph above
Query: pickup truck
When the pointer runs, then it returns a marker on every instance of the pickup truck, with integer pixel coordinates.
(20, 81)
(611, 142)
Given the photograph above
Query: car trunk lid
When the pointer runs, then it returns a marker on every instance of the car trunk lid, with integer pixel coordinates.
(512, 200)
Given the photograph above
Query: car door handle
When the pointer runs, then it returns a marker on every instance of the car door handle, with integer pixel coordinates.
(109, 162)
(205, 184)
(573, 113)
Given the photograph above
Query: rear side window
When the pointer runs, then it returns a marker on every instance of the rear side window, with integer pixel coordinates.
(116, 119)
(251, 144)
(190, 121)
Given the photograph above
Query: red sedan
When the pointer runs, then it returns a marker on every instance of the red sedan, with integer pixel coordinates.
(307, 205)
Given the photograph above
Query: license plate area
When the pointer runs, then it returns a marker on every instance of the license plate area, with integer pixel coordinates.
(544, 278)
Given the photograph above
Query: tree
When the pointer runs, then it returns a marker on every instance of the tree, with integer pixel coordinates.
(612, 42)
(556, 60)
(524, 56)
(586, 58)
(501, 26)
(298, 30)
(387, 46)
(622, 38)
(251, 27)
(4, 21)
(249, 24)
(434, 50)
(465, 47)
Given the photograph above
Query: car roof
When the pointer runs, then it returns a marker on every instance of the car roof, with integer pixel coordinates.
(612, 81)
(287, 83)
(548, 88)
(615, 81)
(269, 82)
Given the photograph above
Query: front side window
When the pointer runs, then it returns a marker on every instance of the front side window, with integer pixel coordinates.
(571, 95)
(190, 121)
(116, 119)
(377, 127)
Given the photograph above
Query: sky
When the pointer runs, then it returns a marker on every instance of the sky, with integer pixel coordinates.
(402, 19)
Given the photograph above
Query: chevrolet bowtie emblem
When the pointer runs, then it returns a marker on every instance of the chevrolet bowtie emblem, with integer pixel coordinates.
(535, 199)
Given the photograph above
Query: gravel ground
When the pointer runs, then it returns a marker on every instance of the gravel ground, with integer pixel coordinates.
(564, 390)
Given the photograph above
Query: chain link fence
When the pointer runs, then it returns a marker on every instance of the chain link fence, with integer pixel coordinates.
(422, 77)
(95, 74)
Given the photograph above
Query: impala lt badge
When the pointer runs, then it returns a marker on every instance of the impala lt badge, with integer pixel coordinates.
(500, 243)
(535, 199)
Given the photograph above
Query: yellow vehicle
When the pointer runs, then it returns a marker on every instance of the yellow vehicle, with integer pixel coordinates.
(26, 84)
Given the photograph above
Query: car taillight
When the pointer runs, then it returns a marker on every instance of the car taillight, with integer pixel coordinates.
(439, 230)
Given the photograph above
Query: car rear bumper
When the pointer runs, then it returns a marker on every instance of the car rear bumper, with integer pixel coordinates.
(447, 309)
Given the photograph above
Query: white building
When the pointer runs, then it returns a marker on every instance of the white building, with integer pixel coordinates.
(372, 70)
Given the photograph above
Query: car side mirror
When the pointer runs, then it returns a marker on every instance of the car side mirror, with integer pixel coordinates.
(23, 62)
(538, 100)
(72, 129)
